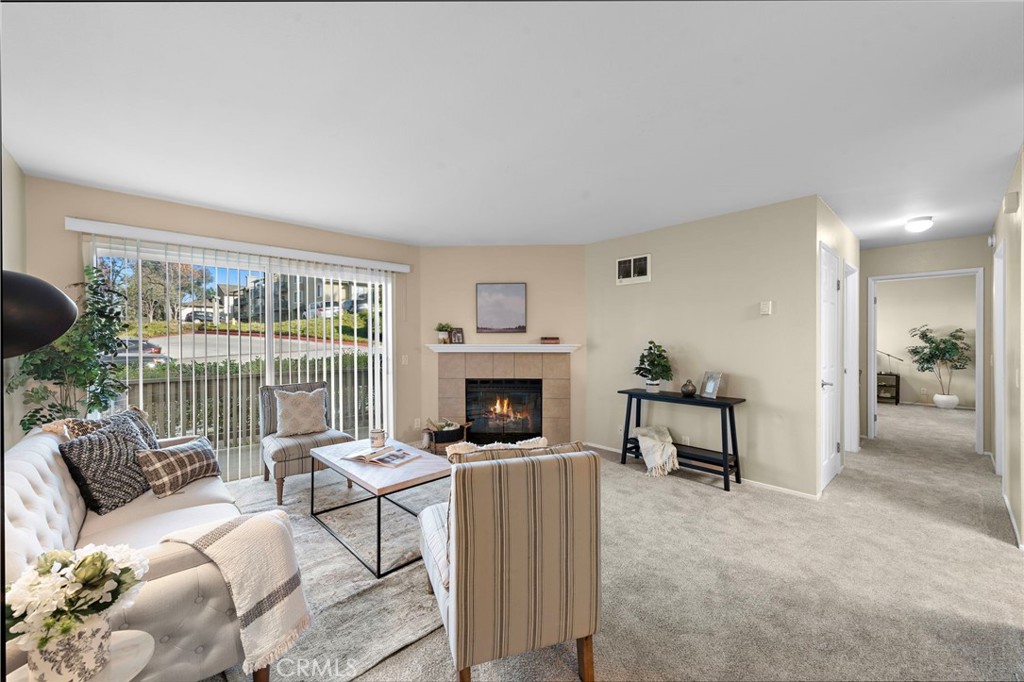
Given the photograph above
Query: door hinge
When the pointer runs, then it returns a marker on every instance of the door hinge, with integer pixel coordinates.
(876, 300)
(837, 448)
(837, 284)
(876, 417)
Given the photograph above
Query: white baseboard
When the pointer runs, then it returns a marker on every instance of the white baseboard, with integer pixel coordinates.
(1013, 522)
(788, 491)
(617, 450)
(746, 480)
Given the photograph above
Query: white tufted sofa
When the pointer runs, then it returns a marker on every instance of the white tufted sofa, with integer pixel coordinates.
(184, 604)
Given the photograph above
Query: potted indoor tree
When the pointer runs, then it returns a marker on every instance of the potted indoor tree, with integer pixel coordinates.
(72, 376)
(654, 366)
(941, 355)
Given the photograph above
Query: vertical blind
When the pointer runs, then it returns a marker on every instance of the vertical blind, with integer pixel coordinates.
(208, 327)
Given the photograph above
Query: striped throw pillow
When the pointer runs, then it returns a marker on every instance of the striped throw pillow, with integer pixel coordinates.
(490, 454)
(170, 469)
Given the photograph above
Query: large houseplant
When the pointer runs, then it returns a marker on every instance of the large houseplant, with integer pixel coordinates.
(654, 366)
(941, 355)
(71, 376)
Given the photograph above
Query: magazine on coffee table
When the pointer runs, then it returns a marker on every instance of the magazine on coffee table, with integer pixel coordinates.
(387, 456)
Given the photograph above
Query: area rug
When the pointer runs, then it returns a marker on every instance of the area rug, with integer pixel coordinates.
(358, 620)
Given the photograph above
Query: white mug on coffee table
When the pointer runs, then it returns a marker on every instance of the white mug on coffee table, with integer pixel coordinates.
(378, 437)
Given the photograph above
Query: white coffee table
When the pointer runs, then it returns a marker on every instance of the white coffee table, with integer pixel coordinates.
(130, 651)
(379, 481)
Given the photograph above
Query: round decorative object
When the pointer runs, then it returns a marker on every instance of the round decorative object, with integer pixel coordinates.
(946, 402)
(442, 337)
(688, 389)
(652, 386)
(79, 655)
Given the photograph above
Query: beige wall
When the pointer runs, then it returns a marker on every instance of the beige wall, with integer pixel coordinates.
(55, 255)
(1008, 233)
(708, 278)
(943, 303)
(13, 186)
(931, 256)
(555, 306)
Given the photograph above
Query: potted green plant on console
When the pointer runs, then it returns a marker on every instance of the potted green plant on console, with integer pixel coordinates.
(654, 366)
(941, 355)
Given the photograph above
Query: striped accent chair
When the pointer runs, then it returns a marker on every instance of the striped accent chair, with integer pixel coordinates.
(289, 455)
(514, 558)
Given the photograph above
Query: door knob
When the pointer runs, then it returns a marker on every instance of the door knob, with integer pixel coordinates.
(826, 383)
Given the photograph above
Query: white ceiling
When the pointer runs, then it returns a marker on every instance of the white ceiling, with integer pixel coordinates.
(525, 123)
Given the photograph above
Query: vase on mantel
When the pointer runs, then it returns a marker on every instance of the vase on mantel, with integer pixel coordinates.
(74, 657)
(652, 386)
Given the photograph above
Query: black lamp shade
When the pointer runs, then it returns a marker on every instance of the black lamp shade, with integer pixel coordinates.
(34, 313)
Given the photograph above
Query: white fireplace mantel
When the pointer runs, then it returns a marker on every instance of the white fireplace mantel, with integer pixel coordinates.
(503, 347)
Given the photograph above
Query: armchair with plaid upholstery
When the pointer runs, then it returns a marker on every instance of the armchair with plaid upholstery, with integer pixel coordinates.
(289, 455)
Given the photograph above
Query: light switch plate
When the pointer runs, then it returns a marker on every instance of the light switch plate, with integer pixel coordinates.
(766, 307)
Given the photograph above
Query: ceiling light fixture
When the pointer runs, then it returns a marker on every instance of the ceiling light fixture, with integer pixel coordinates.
(919, 224)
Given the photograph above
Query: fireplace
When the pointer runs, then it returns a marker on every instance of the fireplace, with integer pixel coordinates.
(503, 409)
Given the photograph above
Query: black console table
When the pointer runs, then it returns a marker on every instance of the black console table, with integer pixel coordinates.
(721, 462)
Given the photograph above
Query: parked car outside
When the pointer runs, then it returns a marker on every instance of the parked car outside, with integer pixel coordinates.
(132, 346)
(327, 309)
(359, 305)
(199, 316)
(148, 361)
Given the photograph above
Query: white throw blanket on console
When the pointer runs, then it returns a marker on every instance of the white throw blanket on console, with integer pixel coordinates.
(271, 607)
(656, 446)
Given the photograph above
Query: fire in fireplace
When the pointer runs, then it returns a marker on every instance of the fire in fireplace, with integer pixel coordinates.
(503, 409)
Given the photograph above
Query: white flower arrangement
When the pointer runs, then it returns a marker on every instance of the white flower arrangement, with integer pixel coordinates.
(67, 586)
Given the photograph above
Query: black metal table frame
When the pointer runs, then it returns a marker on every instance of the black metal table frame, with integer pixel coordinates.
(316, 517)
(725, 406)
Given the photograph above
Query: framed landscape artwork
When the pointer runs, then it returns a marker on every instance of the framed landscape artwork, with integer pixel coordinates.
(501, 308)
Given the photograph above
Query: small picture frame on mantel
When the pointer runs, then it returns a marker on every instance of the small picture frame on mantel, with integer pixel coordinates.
(456, 335)
(710, 384)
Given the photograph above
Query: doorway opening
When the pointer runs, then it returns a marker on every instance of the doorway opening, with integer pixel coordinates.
(944, 301)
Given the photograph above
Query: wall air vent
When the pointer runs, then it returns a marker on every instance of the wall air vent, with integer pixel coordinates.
(633, 270)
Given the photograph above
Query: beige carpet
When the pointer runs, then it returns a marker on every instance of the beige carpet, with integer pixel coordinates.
(906, 569)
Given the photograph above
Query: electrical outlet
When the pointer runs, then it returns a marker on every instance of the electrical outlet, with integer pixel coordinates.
(924, 391)
(417, 423)
(405, 361)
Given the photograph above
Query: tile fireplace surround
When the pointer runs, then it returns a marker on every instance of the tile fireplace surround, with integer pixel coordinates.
(453, 368)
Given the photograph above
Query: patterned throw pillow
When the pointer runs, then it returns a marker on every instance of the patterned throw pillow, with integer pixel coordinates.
(75, 428)
(171, 469)
(488, 454)
(103, 465)
(301, 412)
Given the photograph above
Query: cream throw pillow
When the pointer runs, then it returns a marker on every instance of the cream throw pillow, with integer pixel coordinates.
(300, 412)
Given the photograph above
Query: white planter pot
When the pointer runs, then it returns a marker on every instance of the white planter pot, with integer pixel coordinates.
(442, 337)
(653, 386)
(946, 402)
(76, 656)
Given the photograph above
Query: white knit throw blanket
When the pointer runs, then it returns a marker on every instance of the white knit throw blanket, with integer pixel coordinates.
(256, 556)
(659, 453)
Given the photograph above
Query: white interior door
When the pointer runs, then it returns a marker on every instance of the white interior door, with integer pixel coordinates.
(831, 460)
(999, 357)
(851, 360)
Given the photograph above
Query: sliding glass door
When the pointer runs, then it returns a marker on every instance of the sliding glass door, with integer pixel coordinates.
(206, 328)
